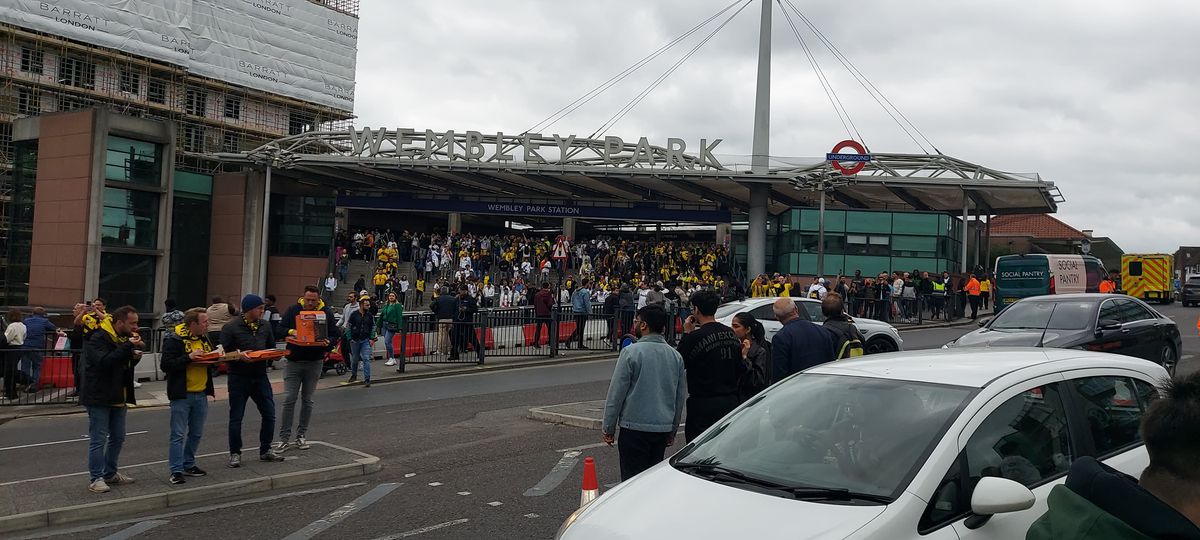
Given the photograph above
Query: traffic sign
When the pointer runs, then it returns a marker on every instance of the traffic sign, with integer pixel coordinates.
(838, 159)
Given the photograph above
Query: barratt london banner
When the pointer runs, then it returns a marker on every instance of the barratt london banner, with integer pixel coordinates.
(289, 47)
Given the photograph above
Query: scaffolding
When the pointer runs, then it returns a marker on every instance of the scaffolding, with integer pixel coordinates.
(42, 73)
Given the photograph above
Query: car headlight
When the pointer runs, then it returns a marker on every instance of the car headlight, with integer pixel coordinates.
(570, 521)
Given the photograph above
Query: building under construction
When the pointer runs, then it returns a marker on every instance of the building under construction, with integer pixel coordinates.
(131, 120)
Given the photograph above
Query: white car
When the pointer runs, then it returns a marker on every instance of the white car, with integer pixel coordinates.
(880, 336)
(930, 445)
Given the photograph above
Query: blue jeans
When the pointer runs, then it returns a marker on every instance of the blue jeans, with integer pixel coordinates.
(257, 388)
(387, 343)
(187, 419)
(361, 351)
(31, 364)
(106, 433)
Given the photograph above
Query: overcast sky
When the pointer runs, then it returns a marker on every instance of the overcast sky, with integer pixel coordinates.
(1098, 97)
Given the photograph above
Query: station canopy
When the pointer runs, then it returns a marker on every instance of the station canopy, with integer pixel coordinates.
(610, 171)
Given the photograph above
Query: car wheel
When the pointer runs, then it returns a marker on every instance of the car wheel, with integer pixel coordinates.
(1166, 358)
(881, 345)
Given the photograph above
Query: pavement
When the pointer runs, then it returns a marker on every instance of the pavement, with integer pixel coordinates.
(62, 499)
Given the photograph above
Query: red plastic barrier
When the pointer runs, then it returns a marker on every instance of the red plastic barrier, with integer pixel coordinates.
(414, 344)
(56, 371)
(529, 330)
(565, 329)
(489, 342)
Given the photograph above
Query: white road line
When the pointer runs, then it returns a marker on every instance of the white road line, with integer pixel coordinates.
(464, 493)
(495, 504)
(424, 530)
(200, 510)
(584, 447)
(135, 530)
(434, 484)
(83, 438)
(557, 474)
(68, 475)
(321, 525)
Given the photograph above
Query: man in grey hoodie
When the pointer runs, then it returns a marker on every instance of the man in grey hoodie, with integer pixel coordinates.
(646, 396)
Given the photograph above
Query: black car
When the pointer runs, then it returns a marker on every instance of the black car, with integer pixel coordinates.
(1190, 295)
(1095, 322)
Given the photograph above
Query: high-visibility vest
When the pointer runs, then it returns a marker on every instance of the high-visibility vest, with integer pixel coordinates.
(1108, 286)
(939, 287)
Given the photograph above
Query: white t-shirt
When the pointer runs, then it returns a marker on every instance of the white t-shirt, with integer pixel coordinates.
(331, 283)
(404, 285)
(818, 289)
(642, 297)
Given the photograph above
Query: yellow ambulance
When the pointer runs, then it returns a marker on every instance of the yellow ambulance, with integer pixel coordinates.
(1149, 276)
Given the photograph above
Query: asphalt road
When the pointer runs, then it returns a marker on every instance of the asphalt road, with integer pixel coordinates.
(459, 456)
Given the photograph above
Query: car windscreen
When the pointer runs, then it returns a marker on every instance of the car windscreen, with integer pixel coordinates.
(861, 434)
(1027, 315)
(730, 309)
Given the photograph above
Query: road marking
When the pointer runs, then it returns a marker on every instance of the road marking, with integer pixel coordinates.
(410, 475)
(135, 530)
(68, 475)
(584, 447)
(532, 516)
(424, 530)
(464, 493)
(494, 504)
(192, 511)
(557, 474)
(1187, 357)
(434, 484)
(320, 525)
(83, 438)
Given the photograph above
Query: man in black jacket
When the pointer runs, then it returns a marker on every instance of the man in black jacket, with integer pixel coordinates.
(248, 379)
(111, 352)
(444, 308)
(464, 324)
(304, 365)
(189, 385)
(543, 303)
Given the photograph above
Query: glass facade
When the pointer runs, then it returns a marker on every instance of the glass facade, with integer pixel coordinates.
(191, 227)
(130, 222)
(301, 226)
(17, 248)
(867, 240)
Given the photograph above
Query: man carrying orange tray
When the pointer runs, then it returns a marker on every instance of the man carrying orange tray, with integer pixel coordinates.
(248, 378)
(307, 346)
(189, 384)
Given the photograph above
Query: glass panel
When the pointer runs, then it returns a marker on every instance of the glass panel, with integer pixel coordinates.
(1037, 315)
(127, 280)
(17, 245)
(1132, 311)
(870, 266)
(923, 224)
(190, 182)
(835, 221)
(190, 234)
(1025, 439)
(301, 226)
(1111, 408)
(869, 222)
(810, 220)
(133, 161)
(1135, 268)
(130, 218)
(856, 433)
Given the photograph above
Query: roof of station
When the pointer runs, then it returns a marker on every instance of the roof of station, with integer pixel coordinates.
(579, 169)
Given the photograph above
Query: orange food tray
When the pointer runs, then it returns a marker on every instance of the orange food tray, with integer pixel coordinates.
(320, 343)
(267, 355)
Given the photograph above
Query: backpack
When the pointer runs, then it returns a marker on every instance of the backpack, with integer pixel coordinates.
(846, 345)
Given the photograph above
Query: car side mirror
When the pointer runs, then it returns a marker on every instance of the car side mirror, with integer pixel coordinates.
(1108, 324)
(984, 322)
(994, 495)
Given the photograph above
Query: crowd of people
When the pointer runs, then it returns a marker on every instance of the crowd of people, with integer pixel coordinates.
(886, 297)
(712, 370)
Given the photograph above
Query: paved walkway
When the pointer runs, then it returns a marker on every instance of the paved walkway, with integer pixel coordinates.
(63, 498)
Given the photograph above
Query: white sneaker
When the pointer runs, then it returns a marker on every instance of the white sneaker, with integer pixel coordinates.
(137, 384)
(390, 362)
(99, 486)
(118, 478)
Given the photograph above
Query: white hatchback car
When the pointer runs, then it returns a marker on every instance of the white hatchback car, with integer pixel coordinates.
(881, 337)
(929, 445)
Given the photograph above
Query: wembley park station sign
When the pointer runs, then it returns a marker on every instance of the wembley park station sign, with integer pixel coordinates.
(532, 149)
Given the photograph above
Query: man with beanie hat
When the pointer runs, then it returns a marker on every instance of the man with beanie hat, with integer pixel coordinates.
(303, 368)
(248, 379)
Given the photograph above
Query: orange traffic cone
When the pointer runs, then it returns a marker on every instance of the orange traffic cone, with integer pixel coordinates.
(591, 487)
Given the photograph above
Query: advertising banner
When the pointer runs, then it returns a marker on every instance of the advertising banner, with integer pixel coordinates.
(289, 47)
(642, 212)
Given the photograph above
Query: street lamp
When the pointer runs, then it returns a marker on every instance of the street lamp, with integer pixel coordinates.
(824, 182)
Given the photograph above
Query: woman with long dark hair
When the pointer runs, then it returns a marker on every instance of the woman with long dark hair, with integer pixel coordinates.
(756, 355)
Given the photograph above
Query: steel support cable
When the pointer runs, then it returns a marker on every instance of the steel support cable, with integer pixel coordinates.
(612, 121)
(865, 82)
(593, 93)
(838, 107)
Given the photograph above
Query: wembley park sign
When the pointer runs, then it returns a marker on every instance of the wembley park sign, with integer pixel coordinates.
(532, 149)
